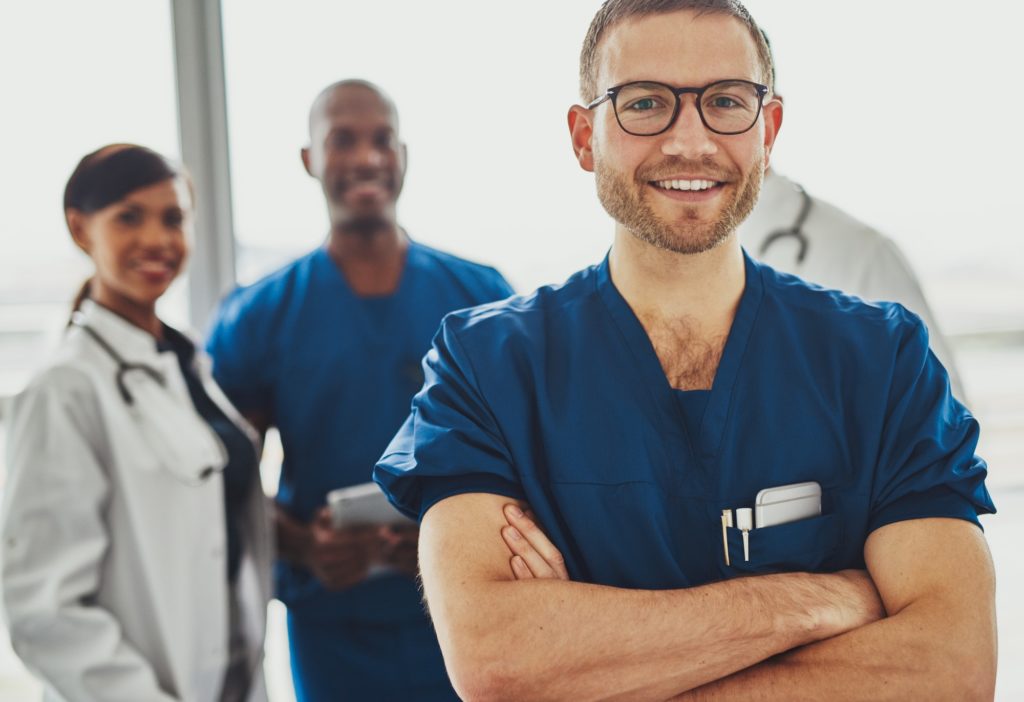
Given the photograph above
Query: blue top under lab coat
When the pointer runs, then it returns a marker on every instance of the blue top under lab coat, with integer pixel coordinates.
(336, 372)
(558, 398)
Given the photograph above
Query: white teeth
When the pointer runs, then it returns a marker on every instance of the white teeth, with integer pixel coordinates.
(154, 266)
(686, 184)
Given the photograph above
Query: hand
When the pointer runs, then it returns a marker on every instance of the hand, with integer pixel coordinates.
(533, 554)
(340, 558)
(399, 545)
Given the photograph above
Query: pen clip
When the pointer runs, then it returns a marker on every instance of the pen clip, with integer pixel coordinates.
(726, 524)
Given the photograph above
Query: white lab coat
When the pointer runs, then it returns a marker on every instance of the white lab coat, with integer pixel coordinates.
(114, 566)
(842, 253)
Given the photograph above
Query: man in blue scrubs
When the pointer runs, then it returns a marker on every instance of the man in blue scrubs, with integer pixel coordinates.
(327, 349)
(632, 406)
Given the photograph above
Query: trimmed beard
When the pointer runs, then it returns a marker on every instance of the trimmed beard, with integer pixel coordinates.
(625, 202)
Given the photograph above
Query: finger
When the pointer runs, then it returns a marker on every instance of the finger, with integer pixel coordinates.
(347, 535)
(323, 516)
(519, 569)
(524, 549)
(538, 540)
(352, 571)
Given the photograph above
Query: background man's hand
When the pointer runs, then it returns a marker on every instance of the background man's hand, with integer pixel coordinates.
(338, 558)
(341, 558)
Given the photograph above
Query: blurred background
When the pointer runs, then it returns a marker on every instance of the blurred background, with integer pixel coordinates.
(904, 114)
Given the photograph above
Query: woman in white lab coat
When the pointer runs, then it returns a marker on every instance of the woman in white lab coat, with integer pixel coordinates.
(136, 548)
(797, 233)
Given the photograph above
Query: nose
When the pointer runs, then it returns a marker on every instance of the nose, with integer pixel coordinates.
(368, 155)
(155, 235)
(688, 137)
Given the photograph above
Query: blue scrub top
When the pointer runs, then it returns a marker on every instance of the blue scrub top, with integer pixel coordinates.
(558, 398)
(336, 372)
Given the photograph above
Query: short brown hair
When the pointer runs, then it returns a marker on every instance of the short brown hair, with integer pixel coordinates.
(614, 11)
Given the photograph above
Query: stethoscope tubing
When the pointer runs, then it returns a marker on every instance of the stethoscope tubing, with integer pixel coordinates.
(797, 228)
(123, 367)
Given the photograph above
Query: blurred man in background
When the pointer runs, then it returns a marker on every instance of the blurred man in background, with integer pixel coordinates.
(328, 350)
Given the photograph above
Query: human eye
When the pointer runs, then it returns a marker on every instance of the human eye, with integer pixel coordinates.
(384, 139)
(641, 100)
(730, 97)
(341, 139)
(644, 103)
(129, 217)
(174, 218)
(724, 102)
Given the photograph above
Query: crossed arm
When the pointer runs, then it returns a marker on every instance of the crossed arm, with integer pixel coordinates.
(535, 635)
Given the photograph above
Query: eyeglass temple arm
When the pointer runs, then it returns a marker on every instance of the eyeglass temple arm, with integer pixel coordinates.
(598, 101)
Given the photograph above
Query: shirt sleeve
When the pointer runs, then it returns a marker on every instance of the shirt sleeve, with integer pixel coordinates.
(54, 541)
(927, 465)
(239, 354)
(451, 443)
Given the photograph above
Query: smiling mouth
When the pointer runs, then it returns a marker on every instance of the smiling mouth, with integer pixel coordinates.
(155, 267)
(686, 185)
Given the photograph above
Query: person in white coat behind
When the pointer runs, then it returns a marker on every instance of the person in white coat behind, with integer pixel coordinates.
(135, 539)
(794, 232)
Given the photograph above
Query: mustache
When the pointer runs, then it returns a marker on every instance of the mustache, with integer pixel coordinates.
(673, 165)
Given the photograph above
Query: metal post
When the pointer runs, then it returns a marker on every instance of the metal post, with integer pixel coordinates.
(203, 128)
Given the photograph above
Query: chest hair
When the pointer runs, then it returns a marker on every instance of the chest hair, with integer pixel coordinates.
(688, 357)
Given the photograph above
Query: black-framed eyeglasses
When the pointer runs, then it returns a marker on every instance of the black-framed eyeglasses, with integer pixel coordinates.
(649, 108)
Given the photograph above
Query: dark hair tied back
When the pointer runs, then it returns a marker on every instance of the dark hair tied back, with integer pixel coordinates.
(108, 174)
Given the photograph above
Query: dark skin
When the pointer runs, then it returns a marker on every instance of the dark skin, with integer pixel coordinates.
(356, 155)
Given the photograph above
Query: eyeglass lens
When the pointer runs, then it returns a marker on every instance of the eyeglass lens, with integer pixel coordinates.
(647, 108)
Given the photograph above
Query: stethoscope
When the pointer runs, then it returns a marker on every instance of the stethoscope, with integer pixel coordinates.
(796, 230)
(123, 367)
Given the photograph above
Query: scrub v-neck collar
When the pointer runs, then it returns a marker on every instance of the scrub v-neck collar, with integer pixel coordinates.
(380, 318)
(339, 277)
(712, 427)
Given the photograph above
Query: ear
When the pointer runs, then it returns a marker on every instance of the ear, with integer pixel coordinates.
(304, 153)
(76, 221)
(772, 123)
(581, 131)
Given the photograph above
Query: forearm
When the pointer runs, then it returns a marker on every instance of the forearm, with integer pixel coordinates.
(558, 640)
(917, 654)
(939, 642)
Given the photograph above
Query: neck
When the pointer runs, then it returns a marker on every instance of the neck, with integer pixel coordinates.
(371, 261)
(665, 285)
(380, 244)
(141, 315)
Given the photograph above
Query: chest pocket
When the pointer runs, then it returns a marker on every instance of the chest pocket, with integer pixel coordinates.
(807, 545)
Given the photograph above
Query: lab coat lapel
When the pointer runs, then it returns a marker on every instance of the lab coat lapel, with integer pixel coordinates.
(163, 413)
(133, 344)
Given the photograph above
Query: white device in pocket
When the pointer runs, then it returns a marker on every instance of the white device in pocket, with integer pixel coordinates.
(787, 503)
